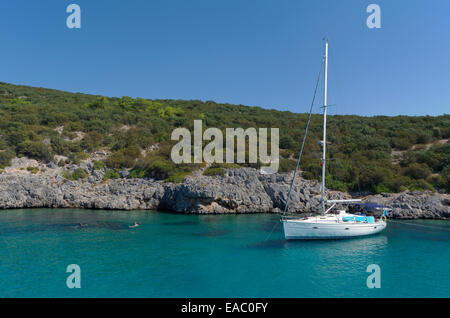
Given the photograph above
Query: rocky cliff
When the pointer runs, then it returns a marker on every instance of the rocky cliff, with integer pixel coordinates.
(238, 191)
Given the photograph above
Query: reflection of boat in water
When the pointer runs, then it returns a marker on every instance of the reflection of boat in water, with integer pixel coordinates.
(340, 224)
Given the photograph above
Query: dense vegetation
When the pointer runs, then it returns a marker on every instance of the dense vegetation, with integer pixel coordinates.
(377, 154)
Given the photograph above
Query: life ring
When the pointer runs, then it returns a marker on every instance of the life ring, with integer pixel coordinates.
(383, 218)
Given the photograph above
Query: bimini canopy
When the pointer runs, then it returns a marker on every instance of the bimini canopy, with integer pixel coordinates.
(371, 205)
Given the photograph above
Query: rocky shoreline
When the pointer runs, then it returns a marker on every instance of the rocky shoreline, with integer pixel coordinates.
(238, 191)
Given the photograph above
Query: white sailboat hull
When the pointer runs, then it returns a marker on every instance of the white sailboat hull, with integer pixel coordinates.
(301, 230)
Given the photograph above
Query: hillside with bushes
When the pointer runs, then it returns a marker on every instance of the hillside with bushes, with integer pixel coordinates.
(376, 154)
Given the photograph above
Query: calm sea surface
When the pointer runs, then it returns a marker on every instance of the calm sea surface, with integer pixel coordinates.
(172, 255)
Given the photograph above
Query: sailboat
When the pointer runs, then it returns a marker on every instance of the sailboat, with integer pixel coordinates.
(339, 224)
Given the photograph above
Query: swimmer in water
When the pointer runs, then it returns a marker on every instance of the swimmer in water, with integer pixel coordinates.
(135, 224)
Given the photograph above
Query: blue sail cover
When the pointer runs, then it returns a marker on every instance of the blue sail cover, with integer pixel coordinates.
(370, 205)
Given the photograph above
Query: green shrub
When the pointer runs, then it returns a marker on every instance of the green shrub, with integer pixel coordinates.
(381, 188)
(177, 177)
(68, 134)
(308, 175)
(287, 142)
(2, 144)
(60, 146)
(401, 144)
(99, 103)
(397, 183)
(67, 175)
(33, 170)
(124, 158)
(92, 141)
(111, 174)
(217, 169)
(335, 184)
(424, 137)
(77, 157)
(371, 176)
(98, 165)
(160, 170)
(420, 185)
(286, 165)
(137, 173)
(15, 137)
(214, 171)
(77, 174)
(442, 181)
(35, 150)
(436, 157)
(417, 171)
(5, 158)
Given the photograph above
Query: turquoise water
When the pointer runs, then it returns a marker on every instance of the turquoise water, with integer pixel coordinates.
(172, 255)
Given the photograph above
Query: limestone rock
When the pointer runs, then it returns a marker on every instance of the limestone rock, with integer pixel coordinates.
(242, 190)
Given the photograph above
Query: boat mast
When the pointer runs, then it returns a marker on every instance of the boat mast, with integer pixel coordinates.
(324, 141)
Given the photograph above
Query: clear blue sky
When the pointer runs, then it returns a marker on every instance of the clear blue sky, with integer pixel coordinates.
(250, 52)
